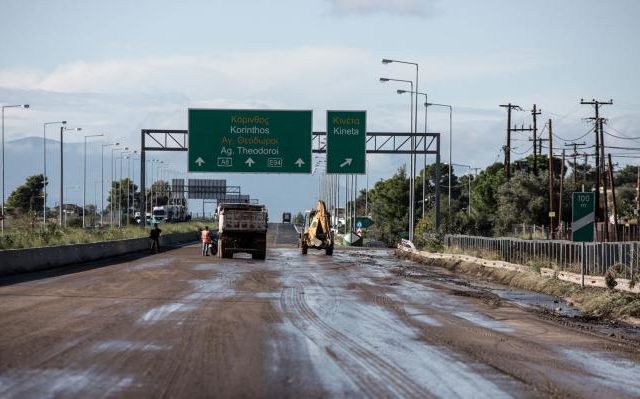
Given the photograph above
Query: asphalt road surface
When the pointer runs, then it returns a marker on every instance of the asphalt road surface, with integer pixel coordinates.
(359, 324)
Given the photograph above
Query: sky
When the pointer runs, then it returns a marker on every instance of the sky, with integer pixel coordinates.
(117, 67)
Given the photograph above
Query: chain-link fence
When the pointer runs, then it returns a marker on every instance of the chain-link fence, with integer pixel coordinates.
(561, 255)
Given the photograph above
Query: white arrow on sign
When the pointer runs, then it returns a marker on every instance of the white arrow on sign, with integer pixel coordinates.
(249, 162)
(347, 162)
(299, 162)
(199, 161)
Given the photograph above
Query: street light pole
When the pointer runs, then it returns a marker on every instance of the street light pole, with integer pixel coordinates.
(84, 178)
(427, 104)
(3, 205)
(102, 180)
(111, 197)
(412, 171)
(424, 174)
(44, 169)
(62, 130)
(413, 146)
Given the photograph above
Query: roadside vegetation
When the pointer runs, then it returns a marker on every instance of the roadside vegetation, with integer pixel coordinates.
(24, 234)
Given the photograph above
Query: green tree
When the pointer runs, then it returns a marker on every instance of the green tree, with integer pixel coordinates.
(628, 175)
(158, 194)
(28, 196)
(389, 207)
(118, 194)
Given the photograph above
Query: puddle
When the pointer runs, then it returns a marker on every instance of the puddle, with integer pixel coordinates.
(164, 312)
(537, 300)
(609, 369)
(484, 321)
(123, 346)
(53, 383)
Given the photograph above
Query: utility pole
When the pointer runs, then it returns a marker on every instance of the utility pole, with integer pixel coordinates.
(523, 129)
(507, 148)
(551, 213)
(603, 175)
(575, 162)
(613, 197)
(599, 168)
(534, 113)
(560, 222)
(584, 175)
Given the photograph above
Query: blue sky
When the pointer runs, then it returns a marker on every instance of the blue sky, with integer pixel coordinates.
(116, 67)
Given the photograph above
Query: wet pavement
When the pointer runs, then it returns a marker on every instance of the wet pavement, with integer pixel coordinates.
(359, 324)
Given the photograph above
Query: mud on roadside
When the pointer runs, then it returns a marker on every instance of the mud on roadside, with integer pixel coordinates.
(603, 312)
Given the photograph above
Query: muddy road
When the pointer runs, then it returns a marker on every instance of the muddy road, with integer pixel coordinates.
(359, 324)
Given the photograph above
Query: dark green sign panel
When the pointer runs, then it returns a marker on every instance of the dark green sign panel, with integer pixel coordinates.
(363, 222)
(583, 214)
(249, 141)
(346, 142)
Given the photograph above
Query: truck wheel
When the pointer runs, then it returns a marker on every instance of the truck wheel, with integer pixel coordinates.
(303, 247)
(329, 250)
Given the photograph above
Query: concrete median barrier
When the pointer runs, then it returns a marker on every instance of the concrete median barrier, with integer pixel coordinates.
(17, 261)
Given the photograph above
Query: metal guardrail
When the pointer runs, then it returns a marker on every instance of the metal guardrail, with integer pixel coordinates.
(561, 255)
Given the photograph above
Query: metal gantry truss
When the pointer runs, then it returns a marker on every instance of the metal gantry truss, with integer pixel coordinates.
(387, 143)
(377, 143)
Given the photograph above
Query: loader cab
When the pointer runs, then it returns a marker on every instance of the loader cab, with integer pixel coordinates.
(308, 217)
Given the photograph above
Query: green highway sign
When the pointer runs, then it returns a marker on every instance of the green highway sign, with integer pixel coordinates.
(249, 141)
(583, 216)
(363, 222)
(346, 142)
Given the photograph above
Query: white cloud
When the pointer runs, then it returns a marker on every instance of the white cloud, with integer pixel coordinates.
(395, 7)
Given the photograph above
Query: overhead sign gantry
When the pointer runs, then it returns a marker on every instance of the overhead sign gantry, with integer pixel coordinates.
(249, 141)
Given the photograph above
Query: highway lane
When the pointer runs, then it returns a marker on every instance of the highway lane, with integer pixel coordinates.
(178, 324)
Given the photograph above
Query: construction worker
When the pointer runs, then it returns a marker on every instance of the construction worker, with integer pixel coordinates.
(206, 241)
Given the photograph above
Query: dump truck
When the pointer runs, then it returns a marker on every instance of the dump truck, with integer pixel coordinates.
(242, 228)
(316, 232)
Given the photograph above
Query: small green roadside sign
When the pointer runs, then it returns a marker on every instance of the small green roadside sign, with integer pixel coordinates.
(583, 216)
(364, 222)
(346, 142)
(249, 141)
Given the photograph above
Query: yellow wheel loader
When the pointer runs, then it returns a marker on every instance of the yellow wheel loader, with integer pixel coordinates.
(316, 232)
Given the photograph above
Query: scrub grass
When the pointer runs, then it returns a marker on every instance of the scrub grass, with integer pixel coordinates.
(19, 237)
(593, 301)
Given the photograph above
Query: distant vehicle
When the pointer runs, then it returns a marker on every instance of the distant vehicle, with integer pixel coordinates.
(316, 232)
(242, 228)
(286, 217)
(169, 213)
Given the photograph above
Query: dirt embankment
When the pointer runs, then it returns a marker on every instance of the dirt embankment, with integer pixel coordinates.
(594, 302)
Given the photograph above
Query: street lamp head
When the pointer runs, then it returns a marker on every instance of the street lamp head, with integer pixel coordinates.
(25, 106)
(386, 61)
(401, 91)
(64, 122)
(384, 79)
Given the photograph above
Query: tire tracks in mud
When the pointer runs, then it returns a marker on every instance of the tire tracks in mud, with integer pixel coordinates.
(372, 374)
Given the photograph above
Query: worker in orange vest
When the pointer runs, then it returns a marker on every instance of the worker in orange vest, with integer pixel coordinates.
(206, 241)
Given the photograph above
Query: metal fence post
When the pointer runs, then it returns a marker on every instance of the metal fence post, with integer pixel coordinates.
(583, 263)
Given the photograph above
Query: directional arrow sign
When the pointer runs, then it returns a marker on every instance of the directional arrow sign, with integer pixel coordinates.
(252, 141)
(346, 142)
(346, 162)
